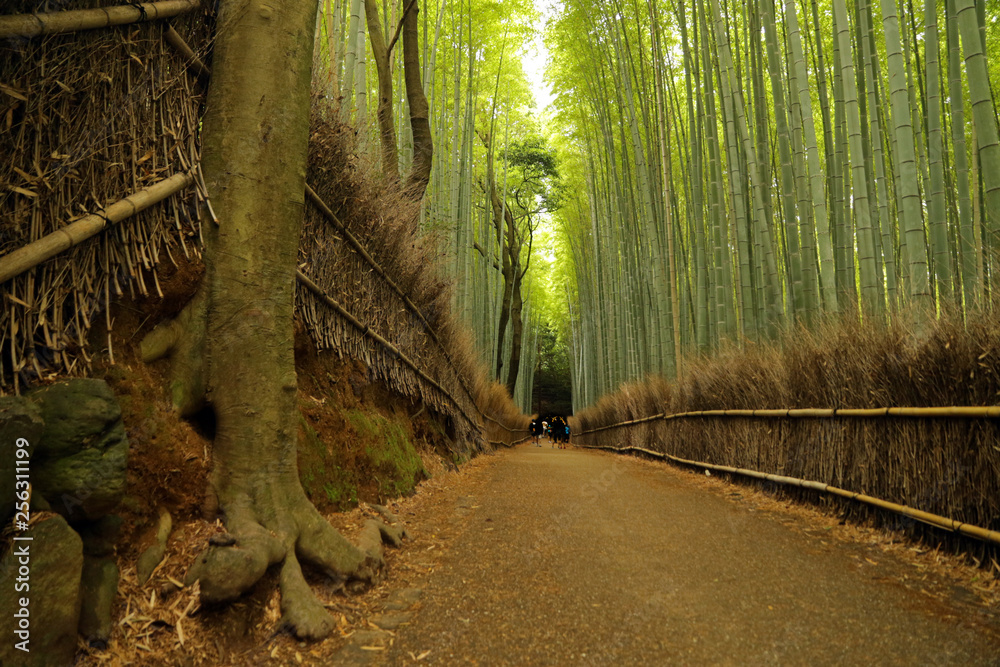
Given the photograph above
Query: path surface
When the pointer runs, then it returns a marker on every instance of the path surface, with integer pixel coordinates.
(558, 557)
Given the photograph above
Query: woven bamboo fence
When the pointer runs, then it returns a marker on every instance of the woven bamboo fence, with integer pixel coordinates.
(369, 320)
(942, 457)
(87, 119)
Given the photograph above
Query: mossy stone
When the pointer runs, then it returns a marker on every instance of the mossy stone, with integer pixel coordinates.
(98, 588)
(79, 463)
(55, 562)
(19, 418)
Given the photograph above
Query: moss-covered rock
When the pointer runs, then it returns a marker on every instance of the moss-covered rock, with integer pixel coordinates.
(398, 467)
(325, 475)
(79, 462)
(98, 588)
(54, 559)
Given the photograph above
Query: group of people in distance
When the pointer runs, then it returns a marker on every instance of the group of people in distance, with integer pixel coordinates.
(556, 430)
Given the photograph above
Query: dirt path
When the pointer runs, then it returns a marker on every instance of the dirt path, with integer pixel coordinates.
(545, 556)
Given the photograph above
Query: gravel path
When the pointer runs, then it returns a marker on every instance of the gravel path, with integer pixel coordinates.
(558, 557)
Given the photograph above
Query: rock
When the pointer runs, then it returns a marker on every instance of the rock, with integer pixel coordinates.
(100, 537)
(152, 556)
(55, 556)
(19, 418)
(98, 588)
(390, 621)
(403, 599)
(365, 647)
(79, 463)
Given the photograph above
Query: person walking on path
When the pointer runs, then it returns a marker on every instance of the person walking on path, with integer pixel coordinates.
(535, 429)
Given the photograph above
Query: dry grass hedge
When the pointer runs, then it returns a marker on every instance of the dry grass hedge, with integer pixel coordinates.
(385, 222)
(949, 467)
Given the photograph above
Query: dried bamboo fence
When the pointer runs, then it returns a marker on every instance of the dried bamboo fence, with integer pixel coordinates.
(939, 458)
(86, 119)
(93, 116)
(953, 412)
(943, 460)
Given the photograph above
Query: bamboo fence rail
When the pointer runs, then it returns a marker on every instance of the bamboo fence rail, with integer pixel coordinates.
(26, 257)
(954, 412)
(926, 517)
(513, 444)
(50, 23)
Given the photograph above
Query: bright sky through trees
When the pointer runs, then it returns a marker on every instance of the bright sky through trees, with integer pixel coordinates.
(535, 59)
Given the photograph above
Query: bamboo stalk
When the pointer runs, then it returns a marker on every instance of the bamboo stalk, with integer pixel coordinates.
(18, 261)
(33, 25)
(926, 517)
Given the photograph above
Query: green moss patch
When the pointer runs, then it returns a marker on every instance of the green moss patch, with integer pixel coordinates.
(396, 465)
(327, 477)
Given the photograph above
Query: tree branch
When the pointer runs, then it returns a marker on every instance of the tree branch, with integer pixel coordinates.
(399, 28)
(475, 244)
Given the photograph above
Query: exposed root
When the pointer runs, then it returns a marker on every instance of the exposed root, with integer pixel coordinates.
(393, 535)
(370, 540)
(323, 546)
(226, 573)
(302, 613)
(183, 340)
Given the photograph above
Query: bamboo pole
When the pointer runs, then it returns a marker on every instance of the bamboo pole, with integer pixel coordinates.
(926, 517)
(18, 261)
(51, 23)
(954, 412)
(193, 61)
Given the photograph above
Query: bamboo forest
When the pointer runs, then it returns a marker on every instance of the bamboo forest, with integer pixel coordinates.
(499, 332)
(704, 172)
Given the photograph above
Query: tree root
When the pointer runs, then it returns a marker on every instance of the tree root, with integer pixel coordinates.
(183, 340)
(301, 612)
(226, 572)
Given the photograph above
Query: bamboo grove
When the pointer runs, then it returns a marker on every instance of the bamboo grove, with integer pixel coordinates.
(492, 174)
(737, 168)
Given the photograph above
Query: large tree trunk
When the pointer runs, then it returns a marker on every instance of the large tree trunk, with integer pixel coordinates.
(516, 332)
(233, 344)
(420, 127)
(386, 116)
